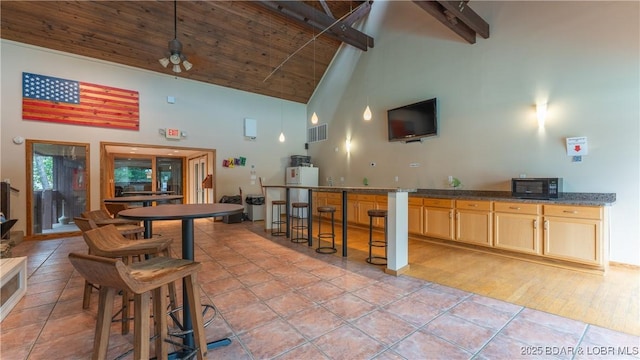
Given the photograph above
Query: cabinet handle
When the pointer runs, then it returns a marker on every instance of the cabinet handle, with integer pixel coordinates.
(450, 214)
(514, 207)
(472, 205)
(535, 224)
(546, 224)
(570, 211)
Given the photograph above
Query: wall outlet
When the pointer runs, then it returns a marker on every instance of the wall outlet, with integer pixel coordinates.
(396, 179)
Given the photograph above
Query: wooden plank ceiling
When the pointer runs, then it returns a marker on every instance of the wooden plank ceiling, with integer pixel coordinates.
(261, 46)
(236, 44)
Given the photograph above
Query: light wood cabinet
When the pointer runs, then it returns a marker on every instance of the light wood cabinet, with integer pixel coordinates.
(517, 227)
(439, 221)
(335, 200)
(574, 233)
(474, 222)
(365, 203)
(319, 199)
(414, 215)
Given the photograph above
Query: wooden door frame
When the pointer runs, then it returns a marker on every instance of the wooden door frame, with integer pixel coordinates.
(106, 163)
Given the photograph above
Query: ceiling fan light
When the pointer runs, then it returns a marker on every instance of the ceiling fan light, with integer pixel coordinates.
(164, 62)
(175, 59)
(176, 69)
(187, 65)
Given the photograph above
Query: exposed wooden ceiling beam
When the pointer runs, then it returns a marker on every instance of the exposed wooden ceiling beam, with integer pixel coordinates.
(326, 8)
(457, 16)
(357, 14)
(465, 14)
(309, 16)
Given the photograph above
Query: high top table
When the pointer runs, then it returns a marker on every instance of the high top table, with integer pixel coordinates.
(398, 222)
(186, 213)
(146, 200)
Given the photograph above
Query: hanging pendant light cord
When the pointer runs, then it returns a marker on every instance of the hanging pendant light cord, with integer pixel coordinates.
(175, 19)
(308, 42)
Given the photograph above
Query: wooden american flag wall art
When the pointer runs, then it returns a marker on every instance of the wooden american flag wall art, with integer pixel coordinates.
(46, 98)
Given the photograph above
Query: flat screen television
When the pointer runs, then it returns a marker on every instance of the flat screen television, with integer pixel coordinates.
(413, 122)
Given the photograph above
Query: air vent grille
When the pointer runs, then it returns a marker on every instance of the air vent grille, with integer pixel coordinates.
(317, 133)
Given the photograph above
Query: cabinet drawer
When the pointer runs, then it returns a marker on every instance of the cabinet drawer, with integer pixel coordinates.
(516, 208)
(334, 196)
(415, 201)
(581, 212)
(382, 198)
(440, 203)
(473, 205)
(367, 197)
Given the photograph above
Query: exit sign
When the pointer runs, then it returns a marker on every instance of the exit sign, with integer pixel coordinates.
(172, 134)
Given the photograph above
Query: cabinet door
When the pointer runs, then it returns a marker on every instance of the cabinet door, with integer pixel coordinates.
(363, 208)
(415, 219)
(319, 199)
(573, 239)
(335, 200)
(473, 227)
(518, 232)
(438, 223)
(352, 209)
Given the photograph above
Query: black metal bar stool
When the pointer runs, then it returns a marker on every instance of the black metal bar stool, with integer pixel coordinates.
(326, 235)
(276, 218)
(299, 222)
(382, 260)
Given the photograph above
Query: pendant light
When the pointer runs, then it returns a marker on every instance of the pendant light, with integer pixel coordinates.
(175, 48)
(314, 117)
(367, 113)
(281, 137)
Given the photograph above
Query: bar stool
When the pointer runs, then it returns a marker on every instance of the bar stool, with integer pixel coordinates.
(299, 224)
(276, 217)
(106, 241)
(326, 235)
(377, 242)
(141, 279)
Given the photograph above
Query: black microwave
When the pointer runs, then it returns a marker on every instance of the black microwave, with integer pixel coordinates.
(536, 188)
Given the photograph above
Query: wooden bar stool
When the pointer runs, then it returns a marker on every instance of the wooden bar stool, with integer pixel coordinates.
(106, 241)
(276, 218)
(299, 223)
(141, 279)
(326, 235)
(381, 260)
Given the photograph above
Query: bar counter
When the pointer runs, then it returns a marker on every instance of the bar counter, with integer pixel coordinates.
(397, 218)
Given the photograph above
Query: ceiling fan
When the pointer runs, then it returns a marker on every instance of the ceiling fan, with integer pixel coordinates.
(175, 48)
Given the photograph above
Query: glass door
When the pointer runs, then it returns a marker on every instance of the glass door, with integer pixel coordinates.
(169, 175)
(198, 170)
(58, 183)
(132, 175)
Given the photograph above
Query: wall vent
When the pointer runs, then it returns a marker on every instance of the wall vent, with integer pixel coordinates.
(317, 133)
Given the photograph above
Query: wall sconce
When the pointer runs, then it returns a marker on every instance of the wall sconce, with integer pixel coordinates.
(347, 144)
(314, 118)
(541, 112)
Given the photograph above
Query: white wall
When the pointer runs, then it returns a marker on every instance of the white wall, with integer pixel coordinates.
(582, 57)
(212, 116)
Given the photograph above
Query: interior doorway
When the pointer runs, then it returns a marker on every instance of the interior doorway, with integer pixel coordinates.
(156, 168)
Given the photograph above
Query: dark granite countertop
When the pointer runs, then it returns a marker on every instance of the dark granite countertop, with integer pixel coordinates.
(569, 198)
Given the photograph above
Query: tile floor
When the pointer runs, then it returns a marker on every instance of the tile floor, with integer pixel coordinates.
(278, 300)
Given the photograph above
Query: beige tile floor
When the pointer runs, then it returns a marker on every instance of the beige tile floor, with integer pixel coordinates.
(278, 300)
